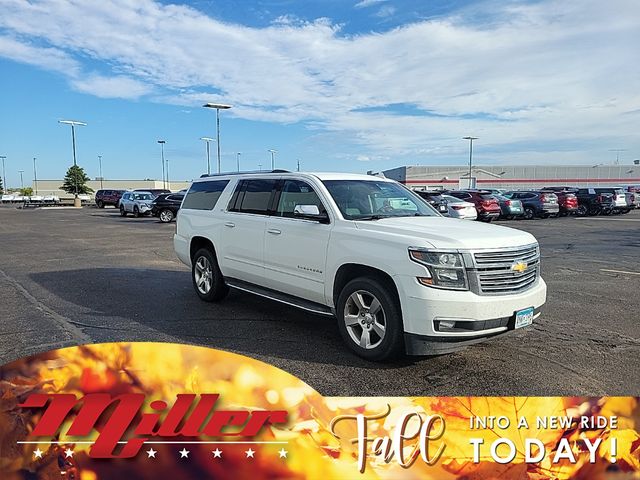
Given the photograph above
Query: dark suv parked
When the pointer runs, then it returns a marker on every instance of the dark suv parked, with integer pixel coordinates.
(436, 200)
(153, 191)
(536, 204)
(166, 206)
(486, 204)
(591, 202)
(108, 197)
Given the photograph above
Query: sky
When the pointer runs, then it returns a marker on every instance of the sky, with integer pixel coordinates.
(338, 85)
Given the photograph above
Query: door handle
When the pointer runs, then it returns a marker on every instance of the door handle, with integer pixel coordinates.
(230, 224)
(274, 231)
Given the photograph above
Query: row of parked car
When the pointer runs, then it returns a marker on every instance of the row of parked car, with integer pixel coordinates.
(490, 204)
(160, 203)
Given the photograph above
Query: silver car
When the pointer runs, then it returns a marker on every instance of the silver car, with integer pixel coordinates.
(137, 203)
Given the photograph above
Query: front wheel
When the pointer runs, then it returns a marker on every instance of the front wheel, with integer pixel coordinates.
(136, 212)
(123, 212)
(166, 215)
(369, 319)
(529, 213)
(100, 204)
(207, 277)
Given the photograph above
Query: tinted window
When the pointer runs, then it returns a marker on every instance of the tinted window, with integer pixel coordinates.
(204, 195)
(255, 196)
(175, 198)
(296, 192)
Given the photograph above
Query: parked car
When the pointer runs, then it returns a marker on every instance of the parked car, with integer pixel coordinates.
(137, 203)
(397, 275)
(592, 203)
(51, 199)
(567, 200)
(509, 208)
(460, 209)
(635, 190)
(435, 199)
(7, 198)
(495, 191)
(536, 204)
(166, 206)
(153, 191)
(486, 204)
(620, 203)
(108, 197)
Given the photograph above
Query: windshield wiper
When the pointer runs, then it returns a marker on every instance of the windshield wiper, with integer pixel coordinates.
(372, 217)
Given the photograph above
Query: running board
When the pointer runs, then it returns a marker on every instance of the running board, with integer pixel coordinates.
(312, 307)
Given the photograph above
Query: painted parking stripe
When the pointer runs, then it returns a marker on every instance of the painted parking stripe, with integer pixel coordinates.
(619, 271)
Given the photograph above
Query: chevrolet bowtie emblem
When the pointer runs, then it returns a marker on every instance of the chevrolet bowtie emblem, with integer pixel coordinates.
(519, 266)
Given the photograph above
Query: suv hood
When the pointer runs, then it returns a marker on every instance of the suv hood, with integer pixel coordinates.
(448, 233)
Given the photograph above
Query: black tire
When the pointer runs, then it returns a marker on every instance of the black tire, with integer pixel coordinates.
(123, 212)
(529, 213)
(136, 212)
(215, 290)
(165, 215)
(391, 344)
(100, 204)
(582, 211)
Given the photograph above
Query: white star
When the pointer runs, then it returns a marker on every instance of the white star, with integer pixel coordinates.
(184, 453)
(68, 453)
(151, 453)
(217, 453)
(38, 453)
(283, 453)
(250, 453)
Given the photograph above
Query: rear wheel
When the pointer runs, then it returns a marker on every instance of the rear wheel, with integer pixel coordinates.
(369, 319)
(123, 212)
(166, 215)
(100, 204)
(529, 213)
(207, 277)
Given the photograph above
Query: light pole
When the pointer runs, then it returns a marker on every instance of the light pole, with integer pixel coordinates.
(471, 139)
(21, 180)
(76, 200)
(218, 107)
(259, 167)
(298, 167)
(618, 152)
(238, 160)
(207, 140)
(100, 167)
(35, 175)
(273, 158)
(168, 183)
(4, 174)
(162, 142)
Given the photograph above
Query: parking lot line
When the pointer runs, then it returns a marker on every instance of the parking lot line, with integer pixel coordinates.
(619, 271)
(610, 219)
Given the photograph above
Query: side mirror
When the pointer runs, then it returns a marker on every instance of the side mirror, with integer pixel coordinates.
(310, 212)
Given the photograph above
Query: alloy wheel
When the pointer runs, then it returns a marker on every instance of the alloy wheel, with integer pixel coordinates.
(166, 216)
(365, 319)
(203, 275)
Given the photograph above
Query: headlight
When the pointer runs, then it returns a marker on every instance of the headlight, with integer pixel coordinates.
(446, 269)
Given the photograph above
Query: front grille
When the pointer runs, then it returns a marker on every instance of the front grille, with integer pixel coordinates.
(494, 273)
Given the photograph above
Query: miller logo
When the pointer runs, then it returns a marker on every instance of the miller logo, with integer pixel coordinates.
(519, 266)
(116, 417)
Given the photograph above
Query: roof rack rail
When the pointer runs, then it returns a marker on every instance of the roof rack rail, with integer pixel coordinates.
(277, 170)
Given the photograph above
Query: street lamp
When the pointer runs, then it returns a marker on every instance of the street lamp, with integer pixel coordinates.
(73, 123)
(273, 158)
(162, 142)
(208, 140)
(259, 167)
(471, 139)
(100, 166)
(35, 175)
(618, 152)
(218, 107)
(168, 183)
(21, 180)
(238, 160)
(4, 174)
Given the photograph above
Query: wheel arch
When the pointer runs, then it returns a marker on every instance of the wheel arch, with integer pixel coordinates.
(199, 242)
(349, 271)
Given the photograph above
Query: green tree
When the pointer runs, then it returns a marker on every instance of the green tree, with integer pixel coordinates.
(26, 191)
(76, 176)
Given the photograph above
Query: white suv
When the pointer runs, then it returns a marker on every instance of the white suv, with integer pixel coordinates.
(394, 272)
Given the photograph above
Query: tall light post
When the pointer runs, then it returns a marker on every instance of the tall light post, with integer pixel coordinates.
(259, 167)
(35, 175)
(168, 182)
(238, 160)
(162, 142)
(73, 123)
(100, 169)
(218, 107)
(208, 140)
(298, 166)
(21, 180)
(4, 174)
(618, 152)
(471, 139)
(273, 158)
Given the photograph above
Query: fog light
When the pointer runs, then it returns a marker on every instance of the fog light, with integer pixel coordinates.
(447, 325)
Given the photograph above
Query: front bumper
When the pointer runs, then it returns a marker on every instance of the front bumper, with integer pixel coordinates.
(482, 316)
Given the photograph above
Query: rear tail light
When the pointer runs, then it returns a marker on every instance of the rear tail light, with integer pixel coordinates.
(632, 198)
(508, 203)
(457, 207)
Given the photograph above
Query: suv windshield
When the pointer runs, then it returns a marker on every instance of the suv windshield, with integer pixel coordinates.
(142, 196)
(371, 200)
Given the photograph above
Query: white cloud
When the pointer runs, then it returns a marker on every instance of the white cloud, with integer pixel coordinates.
(386, 11)
(552, 70)
(368, 3)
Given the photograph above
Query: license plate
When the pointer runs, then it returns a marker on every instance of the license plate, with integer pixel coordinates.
(524, 317)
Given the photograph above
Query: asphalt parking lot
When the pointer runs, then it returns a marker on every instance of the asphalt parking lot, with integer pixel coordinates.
(81, 276)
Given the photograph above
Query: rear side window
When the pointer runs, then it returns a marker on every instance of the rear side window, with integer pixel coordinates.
(204, 195)
(296, 192)
(253, 196)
